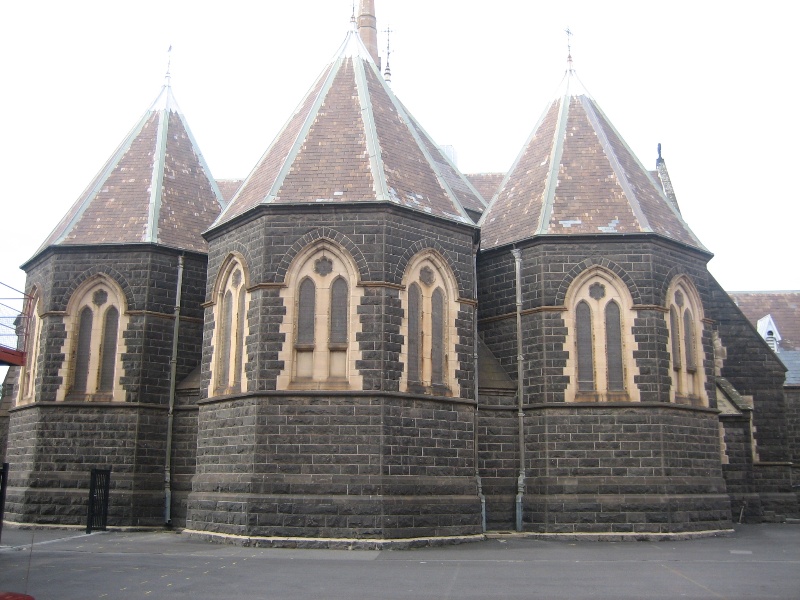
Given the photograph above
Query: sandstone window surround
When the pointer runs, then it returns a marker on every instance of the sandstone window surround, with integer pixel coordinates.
(686, 350)
(231, 300)
(429, 333)
(26, 391)
(600, 339)
(321, 324)
(95, 321)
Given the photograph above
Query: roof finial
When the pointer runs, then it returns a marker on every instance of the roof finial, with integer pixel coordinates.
(168, 76)
(569, 33)
(353, 17)
(387, 73)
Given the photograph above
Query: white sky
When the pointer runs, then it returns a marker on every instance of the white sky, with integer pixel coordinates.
(710, 80)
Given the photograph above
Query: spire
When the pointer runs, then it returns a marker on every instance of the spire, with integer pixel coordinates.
(351, 141)
(368, 28)
(156, 188)
(577, 176)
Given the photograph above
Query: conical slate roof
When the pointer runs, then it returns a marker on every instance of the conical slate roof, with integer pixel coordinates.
(350, 141)
(156, 188)
(577, 176)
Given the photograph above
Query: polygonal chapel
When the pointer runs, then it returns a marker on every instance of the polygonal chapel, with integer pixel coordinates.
(360, 344)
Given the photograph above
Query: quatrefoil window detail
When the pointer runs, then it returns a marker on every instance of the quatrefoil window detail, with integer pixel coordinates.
(597, 291)
(323, 266)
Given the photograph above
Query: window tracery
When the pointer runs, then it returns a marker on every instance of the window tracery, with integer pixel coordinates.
(27, 380)
(685, 332)
(321, 322)
(429, 334)
(94, 322)
(601, 344)
(230, 317)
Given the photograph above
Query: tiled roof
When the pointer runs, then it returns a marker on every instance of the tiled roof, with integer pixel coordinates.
(487, 184)
(577, 176)
(156, 188)
(350, 140)
(784, 307)
(228, 188)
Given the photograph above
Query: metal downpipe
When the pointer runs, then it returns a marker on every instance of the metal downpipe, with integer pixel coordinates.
(173, 369)
(520, 413)
(481, 495)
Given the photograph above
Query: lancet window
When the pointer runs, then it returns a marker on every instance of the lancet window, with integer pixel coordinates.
(321, 297)
(230, 318)
(95, 322)
(601, 365)
(429, 327)
(685, 331)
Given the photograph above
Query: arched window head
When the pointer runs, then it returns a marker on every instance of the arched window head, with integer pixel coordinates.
(321, 299)
(95, 322)
(33, 333)
(429, 333)
(600, 365)
(230, 335)
(685, 331)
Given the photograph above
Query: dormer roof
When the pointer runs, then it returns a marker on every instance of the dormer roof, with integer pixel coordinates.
(156, 188)
(576, 175)
(351, 141)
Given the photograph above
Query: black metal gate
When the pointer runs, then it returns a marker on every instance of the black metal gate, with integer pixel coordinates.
(98, 499)
(3, 486)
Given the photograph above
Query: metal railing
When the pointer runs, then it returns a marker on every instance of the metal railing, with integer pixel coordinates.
(15, 313)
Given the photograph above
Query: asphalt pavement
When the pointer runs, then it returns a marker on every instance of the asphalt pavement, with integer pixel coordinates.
(758, 561)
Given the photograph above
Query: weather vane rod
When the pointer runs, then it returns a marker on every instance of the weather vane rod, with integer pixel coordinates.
(569, 49)
(168, 76)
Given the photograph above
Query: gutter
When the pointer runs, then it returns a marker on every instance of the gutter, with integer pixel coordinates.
(520, 413)
(173, 368)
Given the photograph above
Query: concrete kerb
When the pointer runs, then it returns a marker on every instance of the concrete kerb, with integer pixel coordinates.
(613, 536)
(331, 543)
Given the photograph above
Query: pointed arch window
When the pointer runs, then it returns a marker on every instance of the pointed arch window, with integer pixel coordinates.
(601, 364)
(230, 317)
(685, 331)
(414, 334)
(321, 298)
(27, 380)
(615, 366)
(583, 325)
(428, 326)
(95, 322)
(304, 344)
(337, 337)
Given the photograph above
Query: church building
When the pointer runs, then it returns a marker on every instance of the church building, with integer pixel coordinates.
(359, 344)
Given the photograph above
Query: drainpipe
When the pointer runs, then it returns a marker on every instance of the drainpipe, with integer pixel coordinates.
(520, 414)
(173, 368)
(481, 495)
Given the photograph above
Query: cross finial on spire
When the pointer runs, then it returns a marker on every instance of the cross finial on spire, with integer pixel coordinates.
(168, 76)
(569, 49)
(353, 15)
(387, 73)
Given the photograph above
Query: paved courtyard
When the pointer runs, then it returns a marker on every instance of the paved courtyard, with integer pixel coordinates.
(759, 561)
